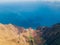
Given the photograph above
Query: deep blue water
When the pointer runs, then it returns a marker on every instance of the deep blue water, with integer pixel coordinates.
(30, 14)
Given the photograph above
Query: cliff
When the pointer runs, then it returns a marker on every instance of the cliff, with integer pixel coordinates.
(14, 35)
(51, 34)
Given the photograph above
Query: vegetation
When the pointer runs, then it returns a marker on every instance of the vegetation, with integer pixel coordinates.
(11, 35)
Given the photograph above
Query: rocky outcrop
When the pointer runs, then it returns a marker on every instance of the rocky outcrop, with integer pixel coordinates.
(51, 34)
(14, 35)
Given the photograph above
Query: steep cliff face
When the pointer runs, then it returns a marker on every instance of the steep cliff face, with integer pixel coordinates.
(13, 35)
(51, 34)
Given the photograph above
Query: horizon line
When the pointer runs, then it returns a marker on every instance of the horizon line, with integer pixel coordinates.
(10, 1)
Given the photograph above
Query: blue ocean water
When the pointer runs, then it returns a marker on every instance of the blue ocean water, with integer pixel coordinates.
(30, 14)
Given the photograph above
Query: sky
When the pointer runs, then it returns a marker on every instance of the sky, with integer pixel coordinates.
(25, 0)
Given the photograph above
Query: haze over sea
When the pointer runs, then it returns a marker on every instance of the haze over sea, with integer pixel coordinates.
(30, 14)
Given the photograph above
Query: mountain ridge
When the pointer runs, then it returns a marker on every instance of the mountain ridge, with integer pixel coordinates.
(10, 35)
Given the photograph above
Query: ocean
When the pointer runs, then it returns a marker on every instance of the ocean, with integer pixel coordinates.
(30, 14)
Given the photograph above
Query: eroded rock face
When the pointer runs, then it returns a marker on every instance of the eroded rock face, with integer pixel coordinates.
(51, 34)
(13, 35)
(55, 35)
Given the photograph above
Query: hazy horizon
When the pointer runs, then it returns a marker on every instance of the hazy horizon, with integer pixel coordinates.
(15, 1)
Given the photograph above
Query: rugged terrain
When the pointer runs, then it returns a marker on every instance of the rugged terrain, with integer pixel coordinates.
(13, 35)
(51, 34)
